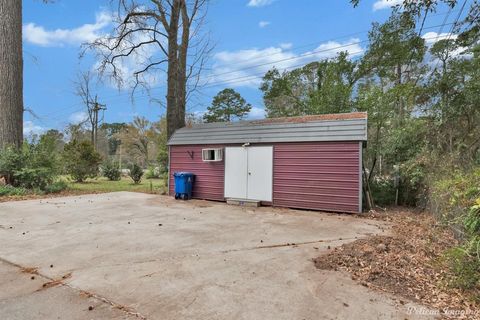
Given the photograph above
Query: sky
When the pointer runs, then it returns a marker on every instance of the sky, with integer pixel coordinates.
(248, 38)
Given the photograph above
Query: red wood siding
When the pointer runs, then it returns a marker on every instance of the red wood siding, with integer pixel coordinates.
(319, 176)
(209, 176)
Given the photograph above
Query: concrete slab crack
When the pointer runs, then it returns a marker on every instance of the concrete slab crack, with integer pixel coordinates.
(60, 282)
(288, 244)
(180, 257)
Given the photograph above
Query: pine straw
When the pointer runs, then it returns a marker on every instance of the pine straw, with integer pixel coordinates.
(409, 263)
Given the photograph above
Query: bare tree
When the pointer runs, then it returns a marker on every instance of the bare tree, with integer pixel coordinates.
(140, 139)
(158, 33)
(11, 71)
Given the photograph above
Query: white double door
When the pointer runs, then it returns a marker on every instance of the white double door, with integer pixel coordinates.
(248, 173)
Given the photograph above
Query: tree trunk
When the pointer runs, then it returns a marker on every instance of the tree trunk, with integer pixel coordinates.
(401, 102)
(182, 67)
(11, 72)
(173, 68)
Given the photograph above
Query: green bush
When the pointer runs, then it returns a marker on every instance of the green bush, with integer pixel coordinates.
(34, 166)
(111, 170)
(11, 161)
(413, 185)
(37, 178)
(456, 202)
(152, 173)
(56, 187)
(383, 190)
(472, 221)
(452, 196)
(464, 267)
(136, 173)
(164, 177)
(81, 160)
(9, 190)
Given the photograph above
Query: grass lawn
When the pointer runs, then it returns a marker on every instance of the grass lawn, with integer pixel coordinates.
(98, 185)
(125, 184)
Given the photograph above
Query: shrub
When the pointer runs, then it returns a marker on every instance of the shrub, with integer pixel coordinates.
(34, 166)
(164, 177)
(472, 221)
(413, 185)
(11, 161)
(453, 195)
(9, 190)
(456, 201)
(36, 178)
(136, 173)
(56, 187)
(81, 160)
(465, 268)
(152, 173)
(111, 170)
(383, 190)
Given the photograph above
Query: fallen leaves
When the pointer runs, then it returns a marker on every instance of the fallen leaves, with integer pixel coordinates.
(407, 263)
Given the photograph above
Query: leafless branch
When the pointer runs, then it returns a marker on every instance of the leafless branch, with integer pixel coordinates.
(149, 34)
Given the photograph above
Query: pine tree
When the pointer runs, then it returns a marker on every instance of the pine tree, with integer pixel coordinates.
(228, 105)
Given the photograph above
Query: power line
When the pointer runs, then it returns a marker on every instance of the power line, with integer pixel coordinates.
(285, 59)
(246, 78)
(312, 53)
(260, 75)
(298, 57)
(448, 37)
(249, 77)
(419, 34)
(316, 43)
(443, 24)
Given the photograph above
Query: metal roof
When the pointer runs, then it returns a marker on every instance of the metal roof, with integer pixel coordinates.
(334, 127)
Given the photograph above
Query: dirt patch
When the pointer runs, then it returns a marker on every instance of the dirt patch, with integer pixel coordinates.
(30, 270)
(407, 263)
(64, 193)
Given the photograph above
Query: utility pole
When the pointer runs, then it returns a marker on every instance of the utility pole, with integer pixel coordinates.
(96, 108)
(120, 157)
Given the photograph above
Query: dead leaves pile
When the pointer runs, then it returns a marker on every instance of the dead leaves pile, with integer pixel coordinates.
(408, 263)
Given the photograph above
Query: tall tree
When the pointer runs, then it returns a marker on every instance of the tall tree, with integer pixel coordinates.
(319, 87)
(167, 32)
(417, 8)
(227, 105)
(111, 130)
(394, 57)
(162, 155)
(139, 140)
(11, 71)
(452, 100)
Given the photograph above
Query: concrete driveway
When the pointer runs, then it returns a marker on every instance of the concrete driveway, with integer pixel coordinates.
(130, 255)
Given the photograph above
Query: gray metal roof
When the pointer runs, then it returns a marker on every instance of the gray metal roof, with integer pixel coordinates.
(344, 127)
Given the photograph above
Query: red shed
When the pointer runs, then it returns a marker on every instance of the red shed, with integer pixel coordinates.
(310, 162)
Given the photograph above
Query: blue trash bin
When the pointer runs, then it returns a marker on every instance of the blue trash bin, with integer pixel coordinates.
(183, 185)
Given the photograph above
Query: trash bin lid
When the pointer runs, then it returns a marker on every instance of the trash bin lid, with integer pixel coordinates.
(180, 174)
